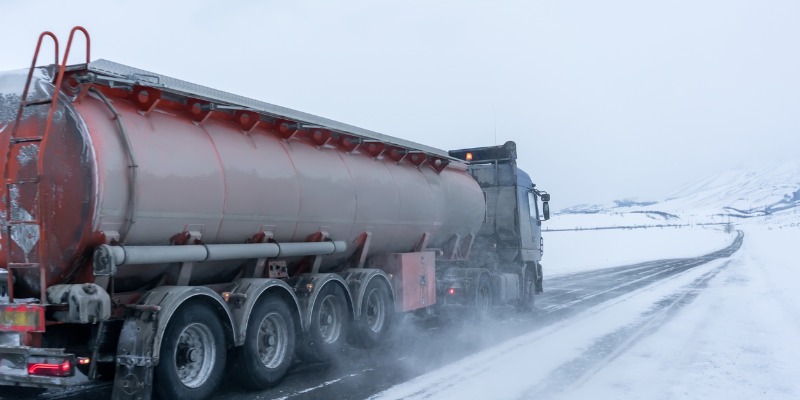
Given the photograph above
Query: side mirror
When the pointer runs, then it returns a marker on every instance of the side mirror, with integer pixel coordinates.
(545, 197)
(546, 209)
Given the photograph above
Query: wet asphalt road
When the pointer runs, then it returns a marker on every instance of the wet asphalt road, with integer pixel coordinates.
(421, 345)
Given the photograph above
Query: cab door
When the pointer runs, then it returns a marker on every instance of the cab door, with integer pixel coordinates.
(530, 231)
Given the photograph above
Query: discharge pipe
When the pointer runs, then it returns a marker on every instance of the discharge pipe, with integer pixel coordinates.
(134, 255)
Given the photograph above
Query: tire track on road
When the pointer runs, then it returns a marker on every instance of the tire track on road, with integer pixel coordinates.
(573, 374)
(480, 366)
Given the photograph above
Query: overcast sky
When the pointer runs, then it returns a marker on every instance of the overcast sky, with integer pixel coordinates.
(605, 99)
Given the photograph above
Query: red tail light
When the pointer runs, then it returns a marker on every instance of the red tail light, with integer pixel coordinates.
(50, 366)
(451, 291)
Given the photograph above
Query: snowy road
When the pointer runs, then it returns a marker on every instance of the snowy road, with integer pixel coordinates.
(582, 322)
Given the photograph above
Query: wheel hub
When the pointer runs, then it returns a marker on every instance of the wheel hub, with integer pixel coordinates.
(330, 320)
(195, 355)
(273, 340)
(375, 311)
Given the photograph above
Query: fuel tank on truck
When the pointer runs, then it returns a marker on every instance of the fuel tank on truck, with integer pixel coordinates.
(155, 160)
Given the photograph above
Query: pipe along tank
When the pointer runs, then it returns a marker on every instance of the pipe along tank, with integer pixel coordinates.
(137, 202)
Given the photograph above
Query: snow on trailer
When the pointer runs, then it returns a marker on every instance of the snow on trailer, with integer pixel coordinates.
(156, 223)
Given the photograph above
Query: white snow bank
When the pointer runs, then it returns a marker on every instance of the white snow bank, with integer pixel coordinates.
(613, 219)
(575, 251)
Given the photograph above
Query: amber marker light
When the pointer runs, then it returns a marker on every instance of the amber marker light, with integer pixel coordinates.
(469, 156)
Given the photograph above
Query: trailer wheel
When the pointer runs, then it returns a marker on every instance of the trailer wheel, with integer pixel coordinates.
(483, 298)
(267, 352)
(328, 330)
(376, 315)
(192, 355)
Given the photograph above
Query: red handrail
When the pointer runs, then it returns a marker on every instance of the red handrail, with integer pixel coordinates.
(62, 68)
(30, 75)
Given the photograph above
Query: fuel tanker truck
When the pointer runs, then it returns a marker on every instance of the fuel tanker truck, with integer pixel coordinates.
(158, 233)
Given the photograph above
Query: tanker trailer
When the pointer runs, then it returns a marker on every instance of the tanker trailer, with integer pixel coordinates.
(155, 231)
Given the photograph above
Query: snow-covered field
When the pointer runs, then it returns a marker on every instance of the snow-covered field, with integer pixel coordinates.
(575, 251)
(731, 330)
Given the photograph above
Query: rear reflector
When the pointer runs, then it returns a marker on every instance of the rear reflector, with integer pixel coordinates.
(50, 366)
(21, 318)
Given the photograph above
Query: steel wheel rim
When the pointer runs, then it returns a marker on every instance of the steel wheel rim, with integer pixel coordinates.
(273, 340)
(195, 355)
(376, 311)
(329, 319)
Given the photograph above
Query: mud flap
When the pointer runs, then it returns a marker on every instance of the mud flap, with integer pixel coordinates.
(133, 382)
(539, 279)
(134, 373)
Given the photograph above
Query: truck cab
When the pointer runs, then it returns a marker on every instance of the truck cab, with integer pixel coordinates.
(509, 245)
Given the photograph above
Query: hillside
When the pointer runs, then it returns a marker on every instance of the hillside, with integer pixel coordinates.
(730, 194)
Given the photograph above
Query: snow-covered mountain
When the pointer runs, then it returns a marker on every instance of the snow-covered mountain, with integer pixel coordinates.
(742, 192)
(595, 208)
(735, 193)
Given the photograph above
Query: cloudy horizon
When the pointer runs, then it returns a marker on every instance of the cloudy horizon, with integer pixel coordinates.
(606, 100)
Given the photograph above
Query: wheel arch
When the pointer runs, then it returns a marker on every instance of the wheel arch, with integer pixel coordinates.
(254, 290)
(359, 279)
(308, 287)
(170, 299)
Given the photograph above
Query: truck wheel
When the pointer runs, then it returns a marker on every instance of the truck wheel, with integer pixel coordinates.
(267, 352)
(328, 330)
(528, 297)
(539, 287)
(483, 298)
(376, 315)
(192, 355)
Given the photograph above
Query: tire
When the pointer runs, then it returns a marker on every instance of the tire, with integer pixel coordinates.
(193, 354)
(269, 346)
(329, 321)
(377, 314)
(483, 298)
(20, 392)
(528, 295)
(539, 279)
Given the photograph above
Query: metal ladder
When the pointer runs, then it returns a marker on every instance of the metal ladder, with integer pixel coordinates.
(26, 227)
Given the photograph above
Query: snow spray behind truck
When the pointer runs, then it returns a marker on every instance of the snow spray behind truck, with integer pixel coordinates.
(158, 232)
